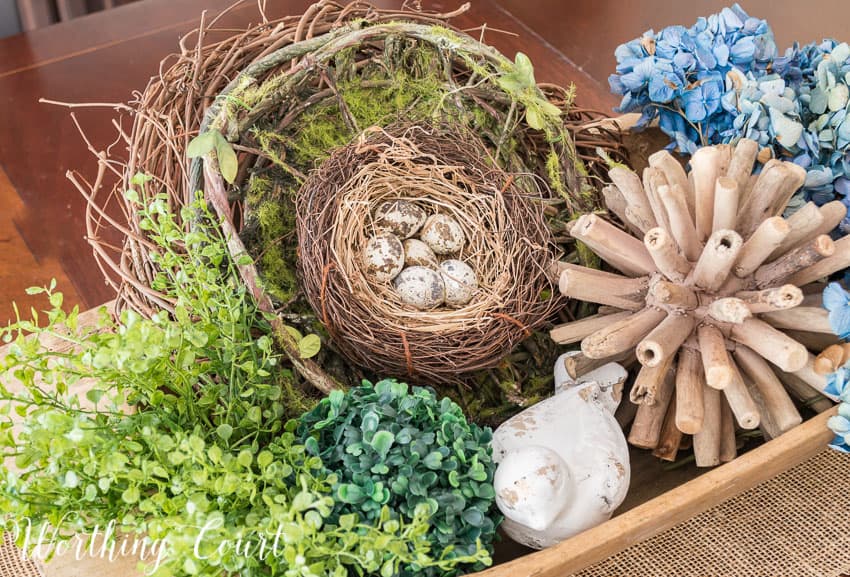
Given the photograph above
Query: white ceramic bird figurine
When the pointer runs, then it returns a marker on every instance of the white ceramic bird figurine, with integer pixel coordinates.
(563, 464)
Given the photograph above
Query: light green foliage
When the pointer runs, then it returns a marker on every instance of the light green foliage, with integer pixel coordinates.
(213, 140)
(182, 436)
(405, 449)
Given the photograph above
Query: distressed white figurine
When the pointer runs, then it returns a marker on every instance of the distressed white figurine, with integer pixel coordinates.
(563, 464)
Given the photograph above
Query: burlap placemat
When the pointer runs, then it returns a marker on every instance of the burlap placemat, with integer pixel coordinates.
(12, 563)
(795, 525)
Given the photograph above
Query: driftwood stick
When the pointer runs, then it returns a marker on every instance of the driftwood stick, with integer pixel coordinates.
(715, 358)
(724, 158)
(773, 345)
(569, 333)
(690, 381)
(773, 299)
(653, 179)
(648, 383)
(815, 342)
(815, 320)
(776, 406)
(804, 392)
(715, 263)
(838, 261)
(798, 259)
(773, 182)
(646, 428)
(665, 253)
(803, 224)
(729, 310)
(831, 358)
(580, 364)
(742, 161)
(617, 291)
(728, 442)
(809, 376)
(670, 437)
(668, 294)
(743, 406)
(833, 213)
(664, 340)
(766, 238)
(616, 203)
(675, 175)
(798, 178)
(680, 219)
(632, 190)
(707, 439)
(622, 335)
(616, 247)
(725, 204)
(705, 167)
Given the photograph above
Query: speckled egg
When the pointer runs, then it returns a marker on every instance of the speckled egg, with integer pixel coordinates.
(420, 287)
(400, 217)
(443, 234)
(383, 257)
(417, 253)
(460, 282)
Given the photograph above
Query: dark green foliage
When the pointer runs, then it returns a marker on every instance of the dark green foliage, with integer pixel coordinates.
(391, 446)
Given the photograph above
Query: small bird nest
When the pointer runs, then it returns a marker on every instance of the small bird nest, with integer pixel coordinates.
(447, 171)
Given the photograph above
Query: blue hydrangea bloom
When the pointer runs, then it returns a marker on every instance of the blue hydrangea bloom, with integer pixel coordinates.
(678, 75)
(724, 79)
(837, 301)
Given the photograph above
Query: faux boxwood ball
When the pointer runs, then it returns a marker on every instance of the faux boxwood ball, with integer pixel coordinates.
(402, 447)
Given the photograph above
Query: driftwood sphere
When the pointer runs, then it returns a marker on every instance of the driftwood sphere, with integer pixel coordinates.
(719, 297)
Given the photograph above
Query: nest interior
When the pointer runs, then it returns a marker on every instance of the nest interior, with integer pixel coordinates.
(444, 170)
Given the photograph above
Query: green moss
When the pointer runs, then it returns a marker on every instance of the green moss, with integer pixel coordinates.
(277, 259)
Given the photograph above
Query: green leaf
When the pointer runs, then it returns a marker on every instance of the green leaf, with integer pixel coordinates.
(524, 69)
(433, 460)
(309, 346)
(140, 178)
(201, 144)
(349, 493)
(533, 118)
(224, 431)
(264, 459)
(130, 495)
(382, 442)
(228, 163)
(294, 333)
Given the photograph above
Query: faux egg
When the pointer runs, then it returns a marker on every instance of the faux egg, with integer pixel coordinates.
(383, 257)
(420, 287)
(417, 253)
(460, 282)
(443, 234)
(400, 217)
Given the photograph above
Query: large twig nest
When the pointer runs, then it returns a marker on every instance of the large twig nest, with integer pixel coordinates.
(443, 171)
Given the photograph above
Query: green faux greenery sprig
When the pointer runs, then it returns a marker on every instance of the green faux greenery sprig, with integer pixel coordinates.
(181, 436)
(392, 447)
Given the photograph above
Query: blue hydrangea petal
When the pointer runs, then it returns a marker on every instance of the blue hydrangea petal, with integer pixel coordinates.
(839, 321)
(835, 297)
